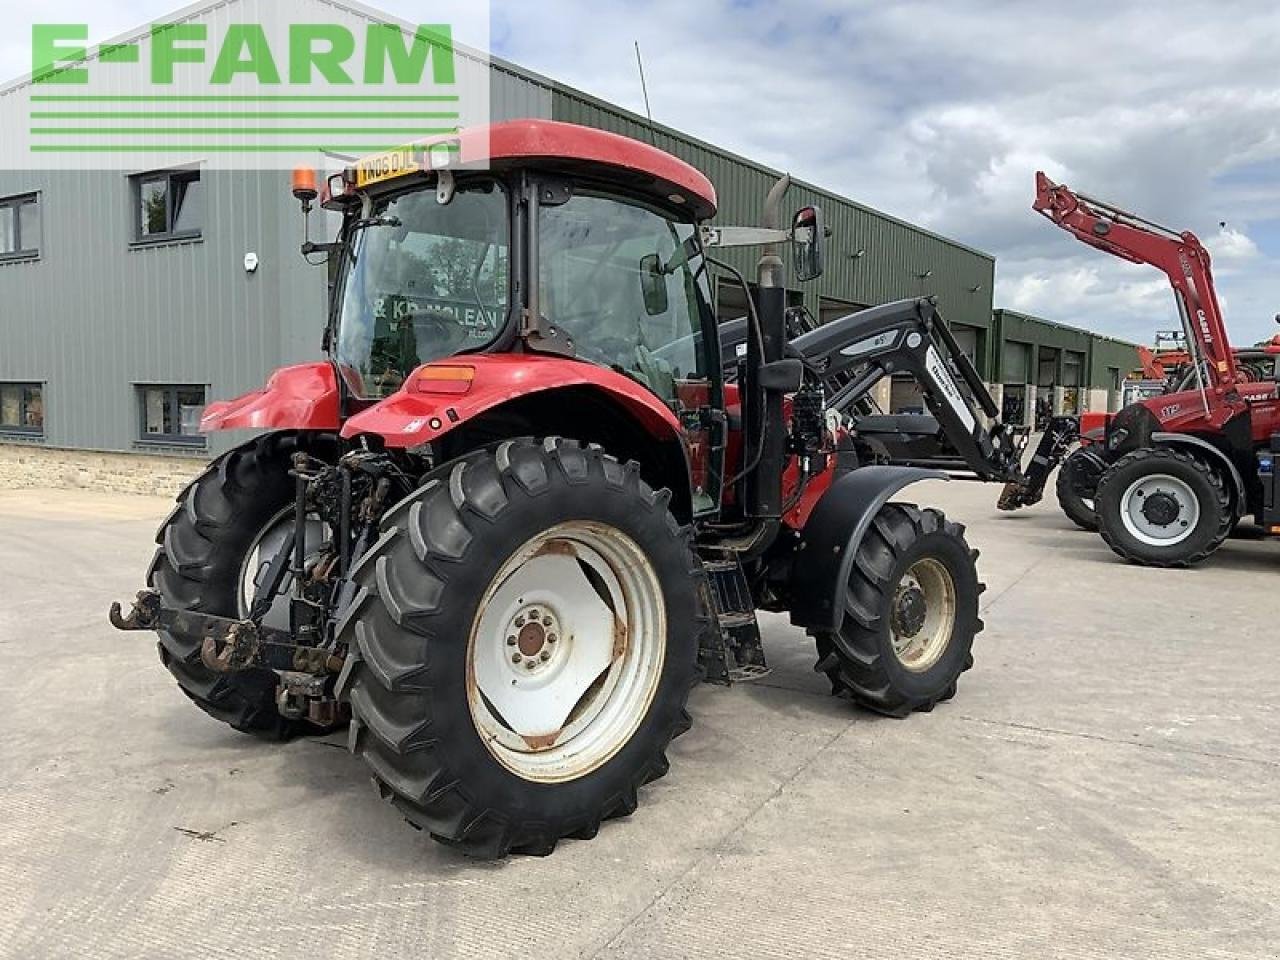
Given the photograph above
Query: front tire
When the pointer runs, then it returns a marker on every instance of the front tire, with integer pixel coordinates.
(1162, 507)
(1077, 509)
(523, 645)
(911, 614)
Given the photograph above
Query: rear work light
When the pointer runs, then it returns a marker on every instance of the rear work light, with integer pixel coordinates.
(444, 379)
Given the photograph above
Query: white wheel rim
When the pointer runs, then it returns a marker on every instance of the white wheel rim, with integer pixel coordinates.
(566, 651)
(1149, 526)
(923, 615)
(261, 552)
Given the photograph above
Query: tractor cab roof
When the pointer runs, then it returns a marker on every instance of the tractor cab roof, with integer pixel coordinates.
(577, 150)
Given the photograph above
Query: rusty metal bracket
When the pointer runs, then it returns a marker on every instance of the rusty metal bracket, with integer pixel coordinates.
(228, 645)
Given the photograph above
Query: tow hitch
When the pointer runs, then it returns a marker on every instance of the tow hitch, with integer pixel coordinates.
(229, 645)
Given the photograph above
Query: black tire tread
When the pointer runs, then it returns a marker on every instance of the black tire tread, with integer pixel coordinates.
(189, 572)
(1226, 516)
(851, 657)
(390, 690)
(1072, 505)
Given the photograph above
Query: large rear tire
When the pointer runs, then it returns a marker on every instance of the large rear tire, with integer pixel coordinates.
(911, 614)
(201, 565)
(1078, 510)
(1163, 507)
(523, 645)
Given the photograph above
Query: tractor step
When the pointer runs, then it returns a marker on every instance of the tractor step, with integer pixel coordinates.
(736, 654)
(721, 566)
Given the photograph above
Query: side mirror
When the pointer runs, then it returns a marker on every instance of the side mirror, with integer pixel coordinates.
(782, 376)
(808, 233)
(653, 285)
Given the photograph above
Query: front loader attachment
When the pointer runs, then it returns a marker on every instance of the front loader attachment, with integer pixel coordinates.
(1027, 489)
(853, 353)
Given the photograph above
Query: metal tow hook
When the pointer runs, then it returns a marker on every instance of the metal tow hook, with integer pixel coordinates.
(239, 650)
(145, 614)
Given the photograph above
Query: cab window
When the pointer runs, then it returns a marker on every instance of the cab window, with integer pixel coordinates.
(626, 284)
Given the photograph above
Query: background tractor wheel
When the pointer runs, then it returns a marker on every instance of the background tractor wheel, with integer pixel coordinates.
(1162, 507)
(523, 645)
(911, 614)
(228, 521)
(1078, 510)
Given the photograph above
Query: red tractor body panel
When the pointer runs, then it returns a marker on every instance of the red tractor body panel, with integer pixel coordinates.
(443, 394)
(302, 397)
(520, 142)
(1184, 412)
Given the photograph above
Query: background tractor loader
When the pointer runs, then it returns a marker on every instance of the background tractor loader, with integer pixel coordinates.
(1168, 477)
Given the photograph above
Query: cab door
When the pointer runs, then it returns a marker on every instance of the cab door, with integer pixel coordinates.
(628, 283)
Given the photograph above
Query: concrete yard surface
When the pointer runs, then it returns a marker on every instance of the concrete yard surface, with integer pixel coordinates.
(1106, 784)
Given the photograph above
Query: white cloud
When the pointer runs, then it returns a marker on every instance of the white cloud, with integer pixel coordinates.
(1231, 246)
(941, 112)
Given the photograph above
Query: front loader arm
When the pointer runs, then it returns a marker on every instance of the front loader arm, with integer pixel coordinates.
(1180, 256)
(909, 337)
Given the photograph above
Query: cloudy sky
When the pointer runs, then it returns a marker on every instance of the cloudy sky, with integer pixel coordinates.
(941, 112)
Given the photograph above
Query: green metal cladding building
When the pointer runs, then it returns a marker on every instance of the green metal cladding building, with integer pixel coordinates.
(112, 341)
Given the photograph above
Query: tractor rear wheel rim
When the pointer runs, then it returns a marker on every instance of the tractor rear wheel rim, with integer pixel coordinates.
(923, 615)
(261, 552)
(1146, 525)
(566, 651)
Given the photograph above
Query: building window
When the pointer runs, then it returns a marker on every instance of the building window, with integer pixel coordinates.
(22, 408)
(171, 414)
(168, 205)
(19, 228)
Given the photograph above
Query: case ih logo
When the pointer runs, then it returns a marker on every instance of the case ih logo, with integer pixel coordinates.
(257, 82)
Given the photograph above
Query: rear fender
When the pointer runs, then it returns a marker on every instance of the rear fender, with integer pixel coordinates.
(302, 397)
(832, 535)
(440, 396)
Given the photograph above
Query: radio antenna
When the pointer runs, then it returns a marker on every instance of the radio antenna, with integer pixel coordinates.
(644, 87)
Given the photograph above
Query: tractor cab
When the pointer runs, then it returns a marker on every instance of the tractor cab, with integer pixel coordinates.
(570, 243)
(439, 263)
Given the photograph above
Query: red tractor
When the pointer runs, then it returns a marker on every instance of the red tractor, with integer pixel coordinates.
(523, 507)
(1167, 478)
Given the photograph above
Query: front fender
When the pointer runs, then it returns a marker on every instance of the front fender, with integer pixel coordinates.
(1084, 468)
(302, 397)
(445, 394)
(1208, 452)
(832, 535)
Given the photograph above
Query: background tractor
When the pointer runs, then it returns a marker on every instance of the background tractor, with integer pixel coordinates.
(526, 503)
(1168, 477)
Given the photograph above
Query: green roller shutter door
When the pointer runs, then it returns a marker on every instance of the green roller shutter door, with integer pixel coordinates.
(1016, 363)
